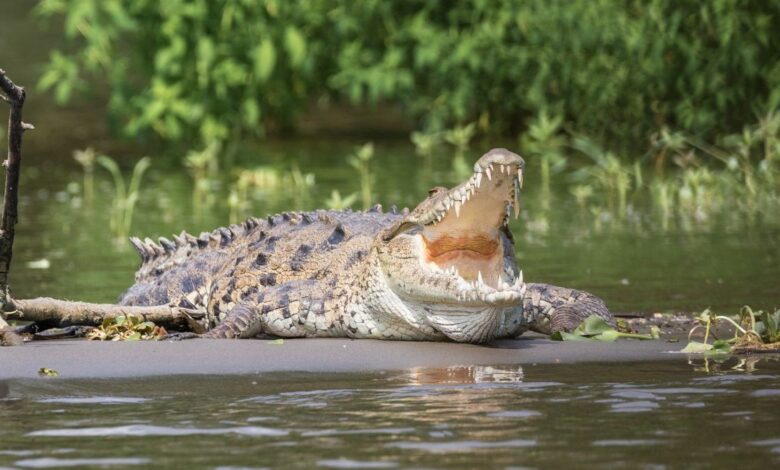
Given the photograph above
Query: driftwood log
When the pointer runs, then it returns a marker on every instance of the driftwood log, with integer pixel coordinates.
(61, 313)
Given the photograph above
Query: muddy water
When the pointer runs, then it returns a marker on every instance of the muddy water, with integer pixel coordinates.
(638, 415)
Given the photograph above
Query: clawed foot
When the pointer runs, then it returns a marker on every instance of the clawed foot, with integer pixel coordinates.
(551, 308)
(569, 317)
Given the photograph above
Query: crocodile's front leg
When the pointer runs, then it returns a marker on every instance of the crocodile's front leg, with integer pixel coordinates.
(293, 309)
(551, 308)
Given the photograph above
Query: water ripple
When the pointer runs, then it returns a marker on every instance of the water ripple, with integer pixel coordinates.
(49, 462)
(94, 400)
(347, 463)
(461, 446)
(625, 442)
(634, 406)
(149, 430)
(766, 392)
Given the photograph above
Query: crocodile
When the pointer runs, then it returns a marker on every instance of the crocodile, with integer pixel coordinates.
(444, 270)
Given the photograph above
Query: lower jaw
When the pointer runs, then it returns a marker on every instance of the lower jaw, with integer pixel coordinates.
(467, 324)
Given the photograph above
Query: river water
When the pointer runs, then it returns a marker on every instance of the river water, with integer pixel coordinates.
(631, 415)
(649, 415)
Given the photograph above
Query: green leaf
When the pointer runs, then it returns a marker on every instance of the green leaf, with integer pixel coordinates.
(696, 347)
(295, 45)
(264, 60)
(607, 335)
(592, 325)
(563, 336)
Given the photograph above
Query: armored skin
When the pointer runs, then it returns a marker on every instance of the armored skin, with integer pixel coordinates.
(445, 270)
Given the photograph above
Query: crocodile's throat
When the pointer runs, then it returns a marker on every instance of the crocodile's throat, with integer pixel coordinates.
(469, 255)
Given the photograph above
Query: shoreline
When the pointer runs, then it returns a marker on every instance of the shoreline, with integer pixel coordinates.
(76, 358)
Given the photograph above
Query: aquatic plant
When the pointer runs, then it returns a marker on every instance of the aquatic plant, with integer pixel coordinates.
(126, 328)
(360, 160)
(544, 141)
(425, 143)
(261, 182)
(203, 166)
(86, 158)
(338, 202)
(754, 331)
(595, 328)
(125, 195)
(460, 137)
(611, 175)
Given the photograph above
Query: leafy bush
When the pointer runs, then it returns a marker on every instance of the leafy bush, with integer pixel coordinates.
(616, 70)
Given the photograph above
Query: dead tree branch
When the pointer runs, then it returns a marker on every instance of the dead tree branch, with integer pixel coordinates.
(14, 96)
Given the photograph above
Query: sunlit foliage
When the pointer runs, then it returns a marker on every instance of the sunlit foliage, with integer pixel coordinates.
(216, 69)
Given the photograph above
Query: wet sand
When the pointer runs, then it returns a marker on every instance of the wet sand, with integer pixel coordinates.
(95, 359)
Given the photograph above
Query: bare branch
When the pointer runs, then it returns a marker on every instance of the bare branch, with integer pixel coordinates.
(61, 313)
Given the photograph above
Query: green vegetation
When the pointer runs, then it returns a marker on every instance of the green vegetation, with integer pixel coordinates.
(734, 180)
(125, 194)
(126, 328)
(86, 159)
(753, 332)
(617, 71)
(595, 328)
(360, 161)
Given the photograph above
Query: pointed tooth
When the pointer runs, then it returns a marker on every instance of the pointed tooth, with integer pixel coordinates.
(520, 277)
(487, 172)
(520, 177)
(479, 178)
(516, 205)
(457, 209)
(479, 278)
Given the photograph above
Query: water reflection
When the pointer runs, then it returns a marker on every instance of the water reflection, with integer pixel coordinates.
(466, 375)
(539, 416)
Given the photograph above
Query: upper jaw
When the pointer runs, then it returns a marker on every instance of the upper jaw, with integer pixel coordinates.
(498, 171)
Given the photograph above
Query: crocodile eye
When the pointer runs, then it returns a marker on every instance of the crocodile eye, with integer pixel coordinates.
(436, 190)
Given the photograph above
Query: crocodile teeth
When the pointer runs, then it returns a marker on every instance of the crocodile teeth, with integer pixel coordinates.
(457, 208)
(479, 278)
(520, 176)
(479, 179)
(487, 172)
(516, 206)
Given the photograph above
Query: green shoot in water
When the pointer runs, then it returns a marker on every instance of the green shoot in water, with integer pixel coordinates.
(460, 137)
(360, 161)
(125, 195)
(754, 331)
(86, 158)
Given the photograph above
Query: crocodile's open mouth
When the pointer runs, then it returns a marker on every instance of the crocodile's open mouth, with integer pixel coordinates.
(463, 231)
(461, 241)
